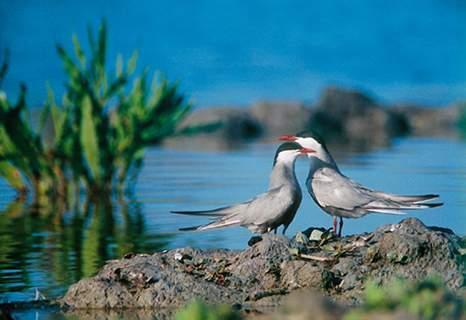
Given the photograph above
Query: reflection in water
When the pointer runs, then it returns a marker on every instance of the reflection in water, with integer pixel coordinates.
(54, 313)
(49, 249)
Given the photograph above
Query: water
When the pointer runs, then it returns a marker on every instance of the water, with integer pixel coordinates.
(236, 52)
(50, 251)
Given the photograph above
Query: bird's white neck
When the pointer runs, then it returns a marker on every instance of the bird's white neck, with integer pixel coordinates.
(283, 172)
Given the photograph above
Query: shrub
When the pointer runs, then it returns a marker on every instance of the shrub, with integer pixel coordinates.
(100, 128)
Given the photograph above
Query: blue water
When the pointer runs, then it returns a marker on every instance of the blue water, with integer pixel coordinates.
(236, 52)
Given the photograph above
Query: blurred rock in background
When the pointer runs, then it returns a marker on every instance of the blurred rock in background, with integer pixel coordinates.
(347, 119)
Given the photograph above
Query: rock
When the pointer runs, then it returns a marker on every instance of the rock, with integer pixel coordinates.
(430, 121)
(339, 102)
(302, 238)
(263, 274)
(347, 119)
(278, 118)
(215, 128)
(347, 116)
(316, 235)
(233, 122)
(406, 243)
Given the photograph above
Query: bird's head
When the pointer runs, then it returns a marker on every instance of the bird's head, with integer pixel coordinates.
(310, 140)
(287, 152)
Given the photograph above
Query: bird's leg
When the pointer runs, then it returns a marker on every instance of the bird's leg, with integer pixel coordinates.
(335, 225)
(341, 227)
(275, 231)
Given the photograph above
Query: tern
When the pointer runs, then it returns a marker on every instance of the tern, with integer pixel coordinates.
(269, 210)
(342, 197)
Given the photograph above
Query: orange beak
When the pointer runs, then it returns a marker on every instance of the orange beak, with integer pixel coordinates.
(287, 137)
(306, 150)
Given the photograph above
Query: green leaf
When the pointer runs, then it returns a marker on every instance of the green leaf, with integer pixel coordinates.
(102, 49)
(119, 66)
(89, 142)
(79, 51)
(115, 87)
(45, 113)
(70, 67)
(132, 63)
(11, 175)
(58, 119)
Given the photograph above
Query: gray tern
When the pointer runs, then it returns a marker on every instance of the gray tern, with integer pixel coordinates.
(269, 210)
(342, 197)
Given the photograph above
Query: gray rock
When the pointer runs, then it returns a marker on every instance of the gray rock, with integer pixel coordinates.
(281, 117)
(347, 119)
(422, 121)
(348, 116)
(232, 122)
(215, 128)
(263, 274)
(339, 102)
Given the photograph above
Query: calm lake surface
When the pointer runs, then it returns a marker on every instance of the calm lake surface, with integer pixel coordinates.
(50, 251)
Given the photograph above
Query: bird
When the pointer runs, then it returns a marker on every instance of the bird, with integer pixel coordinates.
(269, 210)
(341, 197)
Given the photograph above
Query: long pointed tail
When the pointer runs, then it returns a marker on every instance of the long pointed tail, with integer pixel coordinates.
(214, 225)
(392, 206)
(219, 212)
(226, 216)
(409, 199)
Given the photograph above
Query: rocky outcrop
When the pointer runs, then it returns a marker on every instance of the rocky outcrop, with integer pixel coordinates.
(217, 128)
(273, 267)
(439, 122)
(347, 118)
(280, 117)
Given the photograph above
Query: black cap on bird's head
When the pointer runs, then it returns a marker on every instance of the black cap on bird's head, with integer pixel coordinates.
(312, 134)
(305, 134)
(288, 146)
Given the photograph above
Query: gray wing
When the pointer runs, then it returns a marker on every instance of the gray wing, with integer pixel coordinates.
(335, 191)
(258, 214)
(332, 189)
(273, 208)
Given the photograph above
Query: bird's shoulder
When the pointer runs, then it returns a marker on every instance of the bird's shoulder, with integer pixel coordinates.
(327, 174)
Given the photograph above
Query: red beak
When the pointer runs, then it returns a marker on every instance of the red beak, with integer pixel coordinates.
(306, 150)
(287, 137)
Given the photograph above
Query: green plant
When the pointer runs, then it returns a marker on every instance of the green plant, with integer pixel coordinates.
(100, 128)
(426, 299)
(198, 310)
(22, 154)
